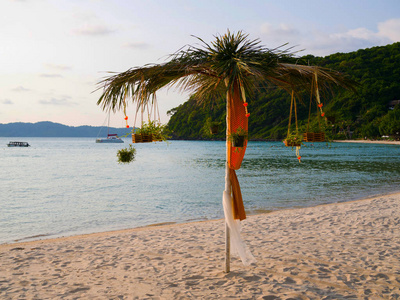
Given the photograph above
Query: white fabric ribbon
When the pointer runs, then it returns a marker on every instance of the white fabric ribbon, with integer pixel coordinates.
(238, 246)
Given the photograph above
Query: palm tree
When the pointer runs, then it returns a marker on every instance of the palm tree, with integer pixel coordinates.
(231, 65)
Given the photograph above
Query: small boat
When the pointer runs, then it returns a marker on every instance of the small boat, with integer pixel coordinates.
(18, 144)
(111, 138)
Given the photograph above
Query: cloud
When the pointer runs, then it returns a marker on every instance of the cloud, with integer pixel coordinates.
(50, 75)
(93, 30)
(359, 35)
(57, 67)
(136, 45)
(283, 30)
(390, 29)
(353, 39)
(58, 102)
(321, 43)
(20, 89)
(6, 101)
(280, 35)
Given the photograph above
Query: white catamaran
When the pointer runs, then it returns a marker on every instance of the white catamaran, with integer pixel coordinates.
(111, 137)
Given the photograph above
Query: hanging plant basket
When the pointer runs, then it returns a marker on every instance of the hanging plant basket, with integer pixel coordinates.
(238, 141)
(142, 138)
(214, 129)
(292, 143)
(137, 138)
(314, 137)
(150, 132)
(126, 155)
(293, 139)
(238, 138)
(211, 127)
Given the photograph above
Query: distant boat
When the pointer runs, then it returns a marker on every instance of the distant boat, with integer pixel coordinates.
(111, 138)
(18, 144)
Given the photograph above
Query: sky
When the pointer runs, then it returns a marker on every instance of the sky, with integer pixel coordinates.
(53, 53)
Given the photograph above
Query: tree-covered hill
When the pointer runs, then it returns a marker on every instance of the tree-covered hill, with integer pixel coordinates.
(369, 112)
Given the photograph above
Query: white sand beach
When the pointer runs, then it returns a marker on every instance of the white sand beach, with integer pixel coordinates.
(338, 251)
(384, 142)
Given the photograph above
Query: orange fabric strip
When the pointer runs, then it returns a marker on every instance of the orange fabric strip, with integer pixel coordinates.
(237, 119)
(238, 207)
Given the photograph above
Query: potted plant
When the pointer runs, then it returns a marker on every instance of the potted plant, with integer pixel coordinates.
(210, 127)
(294, 139)
(238, 138)
(214, 127)
(126, 155)
(149, 132)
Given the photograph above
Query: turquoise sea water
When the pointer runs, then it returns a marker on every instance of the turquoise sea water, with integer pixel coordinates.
(67, 186)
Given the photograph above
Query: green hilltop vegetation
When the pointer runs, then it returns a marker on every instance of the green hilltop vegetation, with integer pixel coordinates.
(369, 112)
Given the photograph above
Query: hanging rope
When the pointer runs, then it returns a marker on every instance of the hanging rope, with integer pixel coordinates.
(295, 112)
(309, 109)
(317, 91)
(141, 114)
(126, 117)
(290, 142)
(317, 96)
(290, 115)
(298, 153)
(297, 128)
(315, 135)
(292, 104)
(134, 124)
(245, 104)
(154, 110)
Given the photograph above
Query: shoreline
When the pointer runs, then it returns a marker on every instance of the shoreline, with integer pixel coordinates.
(368, 142)
(333, 251)
(52, 237)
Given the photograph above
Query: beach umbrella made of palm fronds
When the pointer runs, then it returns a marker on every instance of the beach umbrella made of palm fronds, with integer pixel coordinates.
(233, 66)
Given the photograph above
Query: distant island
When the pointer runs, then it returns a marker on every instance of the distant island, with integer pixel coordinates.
(50, 129)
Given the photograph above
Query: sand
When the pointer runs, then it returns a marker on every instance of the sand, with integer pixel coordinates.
(348, 250)
(385, 142)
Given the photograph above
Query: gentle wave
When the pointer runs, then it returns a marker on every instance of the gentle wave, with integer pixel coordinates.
(67, 186)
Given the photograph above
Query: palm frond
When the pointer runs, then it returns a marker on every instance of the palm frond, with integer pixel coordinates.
(213, 69)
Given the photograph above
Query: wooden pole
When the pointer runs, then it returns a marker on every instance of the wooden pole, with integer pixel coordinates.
(227, 249)
(227, 188)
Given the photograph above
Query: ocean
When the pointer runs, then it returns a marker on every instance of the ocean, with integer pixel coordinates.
(68, 186)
